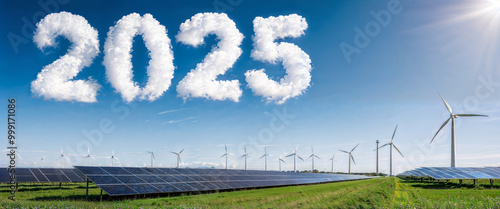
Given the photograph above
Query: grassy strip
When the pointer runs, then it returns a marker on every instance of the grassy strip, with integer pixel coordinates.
(412, 194)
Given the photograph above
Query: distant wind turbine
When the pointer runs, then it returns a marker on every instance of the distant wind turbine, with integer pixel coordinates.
(265, 155)
(452, 118)
(313, 156)
(178, 157)
(63, 156)
(113, 157)
(245, 156)
(350, 157)
(377, 153)
(152, 157)
(294, 154)
(43, 159)
(392, 145)
(332, 161)
(281, 160)
(88, 156)
(226, 154)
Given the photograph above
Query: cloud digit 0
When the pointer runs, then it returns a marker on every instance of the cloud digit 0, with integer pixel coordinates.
(118, 57)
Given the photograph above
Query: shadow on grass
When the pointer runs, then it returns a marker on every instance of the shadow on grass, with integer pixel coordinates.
(445, 185)
(81, 197)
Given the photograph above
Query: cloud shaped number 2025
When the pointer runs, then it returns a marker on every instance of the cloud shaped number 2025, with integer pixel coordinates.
(55, 80)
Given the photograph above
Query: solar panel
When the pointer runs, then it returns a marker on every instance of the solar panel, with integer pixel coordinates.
(455, 172)
(134, 180)
(38, 175)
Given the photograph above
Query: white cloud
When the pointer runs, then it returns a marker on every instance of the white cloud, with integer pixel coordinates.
(118, 57)
(169, 111)
(180, 120)
(201, 81)
(295, 61)
(53, 82)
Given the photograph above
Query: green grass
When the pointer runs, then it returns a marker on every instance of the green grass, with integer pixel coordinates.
(383, 192)
(415, 194)
(358, 194)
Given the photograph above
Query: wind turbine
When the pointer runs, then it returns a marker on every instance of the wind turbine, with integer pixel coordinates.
(332, 161)
(178, 157)
(245, 155)
(88, 156)
(350, 157)
(392, 145)
(63, 156)
(294, 154)
(281, 160)
(377, 154)
(313, 156)
(42, 159)
(113, 157)
(225, 154)
(452, 118)
(152, 157)
(265, 155)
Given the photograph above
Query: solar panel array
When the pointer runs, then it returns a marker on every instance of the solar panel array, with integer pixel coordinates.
(134, 180)
(34, 175)
(455, 173)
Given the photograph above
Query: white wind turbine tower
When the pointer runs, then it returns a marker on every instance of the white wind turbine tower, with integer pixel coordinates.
(152, 157)
(313, 156)
(332, 161)
(245, 156)
(265, 155)
(113, 157)
(63, 156)
(225, 154)
(89, 156)
(178, 157)
(294, 154)
(452, 118)
(377, 153)
(350, 157)
(43, 159)
(392, 145)
(281, 160)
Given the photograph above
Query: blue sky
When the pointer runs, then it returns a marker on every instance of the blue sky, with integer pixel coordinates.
(426, 47)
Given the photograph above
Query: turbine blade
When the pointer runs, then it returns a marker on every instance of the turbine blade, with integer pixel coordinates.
(446, 104)
(262, 156)
(300, 158)
(181, 151)
(470, 115)
(174, 153)
(113, 152)
(242, 156)
(398, 150)
(225, 147)
(88, 150)
(444, 124)
(61, 150)
(353, 160)
(223, 155)
(354, 147)
(116, 158)
(344, 151)
(384, 145)
(296, 148)
(394, 133)
(290, 155)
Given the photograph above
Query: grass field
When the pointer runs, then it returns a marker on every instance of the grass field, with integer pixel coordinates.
(384, 192)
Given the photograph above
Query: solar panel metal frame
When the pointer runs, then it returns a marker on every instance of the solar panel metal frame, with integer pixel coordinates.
(134, 180)
(42, 175)
(455, 172)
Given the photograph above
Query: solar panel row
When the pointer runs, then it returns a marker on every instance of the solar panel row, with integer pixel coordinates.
(455, 172)
(34, 175)
(133, 180)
